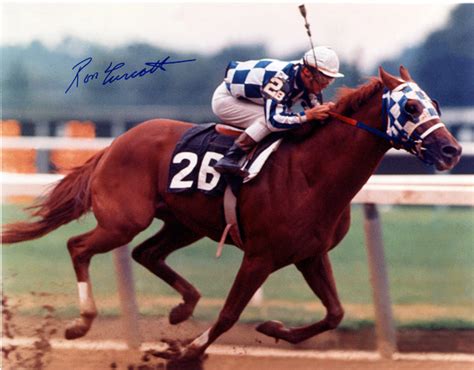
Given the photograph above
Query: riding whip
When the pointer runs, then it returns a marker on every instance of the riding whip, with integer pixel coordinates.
(308, 31)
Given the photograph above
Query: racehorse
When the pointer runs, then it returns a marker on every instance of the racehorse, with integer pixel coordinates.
(294, 212)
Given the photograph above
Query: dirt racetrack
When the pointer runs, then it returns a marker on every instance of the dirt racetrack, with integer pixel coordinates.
(99, 360)
(243, 348)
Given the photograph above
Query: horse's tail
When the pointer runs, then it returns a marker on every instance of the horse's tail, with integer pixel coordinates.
(67, 201)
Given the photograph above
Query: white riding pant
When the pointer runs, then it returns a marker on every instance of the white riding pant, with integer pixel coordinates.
(241, 113)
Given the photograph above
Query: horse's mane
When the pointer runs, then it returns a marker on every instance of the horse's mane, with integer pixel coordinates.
(350, 100)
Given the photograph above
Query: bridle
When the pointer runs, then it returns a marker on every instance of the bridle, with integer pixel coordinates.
(400, 125)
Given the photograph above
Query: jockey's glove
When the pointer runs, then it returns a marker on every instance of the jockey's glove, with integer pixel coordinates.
(320, 112)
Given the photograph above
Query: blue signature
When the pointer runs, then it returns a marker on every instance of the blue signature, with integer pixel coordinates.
(109, 77)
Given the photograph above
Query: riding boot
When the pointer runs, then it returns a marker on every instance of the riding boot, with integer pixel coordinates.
(231, 162)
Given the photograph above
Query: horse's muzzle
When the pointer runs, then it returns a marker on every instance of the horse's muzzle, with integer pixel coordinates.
(447, 156)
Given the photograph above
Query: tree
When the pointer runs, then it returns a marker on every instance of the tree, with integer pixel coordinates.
(447, 59)
(444, 63)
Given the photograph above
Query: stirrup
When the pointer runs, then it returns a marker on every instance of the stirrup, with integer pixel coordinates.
(231, 168)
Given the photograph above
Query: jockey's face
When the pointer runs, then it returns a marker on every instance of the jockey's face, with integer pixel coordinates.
(314, 81)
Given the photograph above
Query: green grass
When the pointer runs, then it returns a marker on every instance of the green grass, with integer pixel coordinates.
(429, 252)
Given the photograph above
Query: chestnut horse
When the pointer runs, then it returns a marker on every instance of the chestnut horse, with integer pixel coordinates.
(294, 212)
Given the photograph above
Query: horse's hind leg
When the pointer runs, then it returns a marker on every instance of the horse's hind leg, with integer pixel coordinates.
(152, 254)
(318, 274)
(82, 248)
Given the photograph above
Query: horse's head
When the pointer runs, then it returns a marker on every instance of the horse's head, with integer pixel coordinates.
(413, 122)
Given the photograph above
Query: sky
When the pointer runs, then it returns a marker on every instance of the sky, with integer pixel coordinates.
(360, 32)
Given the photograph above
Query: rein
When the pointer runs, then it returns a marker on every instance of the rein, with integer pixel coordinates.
(411, 145)
(363, 126)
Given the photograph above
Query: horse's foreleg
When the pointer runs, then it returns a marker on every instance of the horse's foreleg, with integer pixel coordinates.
(318, 274)
(152, 254)
(82, 248)
(252, 273)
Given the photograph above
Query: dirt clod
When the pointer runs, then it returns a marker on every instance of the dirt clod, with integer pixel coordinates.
(35, 357)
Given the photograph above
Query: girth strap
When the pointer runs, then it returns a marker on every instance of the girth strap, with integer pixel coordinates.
(232, 224)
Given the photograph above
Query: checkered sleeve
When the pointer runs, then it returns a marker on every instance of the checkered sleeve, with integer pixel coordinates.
(280, 115)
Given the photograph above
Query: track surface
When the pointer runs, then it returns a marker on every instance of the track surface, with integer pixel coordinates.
(243, 348)
(92, 355)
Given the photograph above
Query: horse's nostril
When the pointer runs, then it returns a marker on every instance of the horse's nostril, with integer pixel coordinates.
(450, 151)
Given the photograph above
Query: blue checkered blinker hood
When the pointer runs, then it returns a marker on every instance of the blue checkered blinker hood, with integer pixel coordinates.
(401, 125)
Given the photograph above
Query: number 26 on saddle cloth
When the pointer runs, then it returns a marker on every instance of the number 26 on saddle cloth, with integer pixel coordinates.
(191, 166)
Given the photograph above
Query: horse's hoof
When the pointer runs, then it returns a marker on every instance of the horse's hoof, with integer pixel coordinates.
(272, 328)
(173, 352)
(180, 313)
(192, 353)
(76, 329)
(179, 351)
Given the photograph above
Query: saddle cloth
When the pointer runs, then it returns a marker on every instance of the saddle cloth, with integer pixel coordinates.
(199, 149)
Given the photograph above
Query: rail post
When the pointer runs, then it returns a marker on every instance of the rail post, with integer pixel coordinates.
(385, 329)
(127, 298)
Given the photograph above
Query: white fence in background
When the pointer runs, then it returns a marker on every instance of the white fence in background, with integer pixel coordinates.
(380, 189)
(53, 143)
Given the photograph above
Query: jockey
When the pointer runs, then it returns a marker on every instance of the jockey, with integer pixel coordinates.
(258, 95)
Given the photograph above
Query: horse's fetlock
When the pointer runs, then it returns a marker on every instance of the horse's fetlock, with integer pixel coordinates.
(89, 314)
(334, 318)
(191, 297)
(291, 338)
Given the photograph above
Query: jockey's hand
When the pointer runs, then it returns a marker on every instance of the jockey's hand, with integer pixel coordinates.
(320, 112)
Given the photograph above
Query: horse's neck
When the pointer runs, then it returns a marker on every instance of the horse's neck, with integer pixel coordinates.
(341, 157)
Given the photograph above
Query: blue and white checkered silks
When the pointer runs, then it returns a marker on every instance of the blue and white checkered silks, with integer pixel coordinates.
(246, 79)
(401, 125)
(249, 80)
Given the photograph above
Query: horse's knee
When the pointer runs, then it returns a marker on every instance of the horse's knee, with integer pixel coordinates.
(334, 318)
(148, 256)
(138, 253)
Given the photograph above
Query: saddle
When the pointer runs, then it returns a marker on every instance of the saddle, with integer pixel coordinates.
(191, 169)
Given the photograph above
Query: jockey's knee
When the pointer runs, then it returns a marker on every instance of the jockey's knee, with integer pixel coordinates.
(258, 131)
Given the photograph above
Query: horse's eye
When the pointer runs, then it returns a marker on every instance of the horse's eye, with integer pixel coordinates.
(414, 108)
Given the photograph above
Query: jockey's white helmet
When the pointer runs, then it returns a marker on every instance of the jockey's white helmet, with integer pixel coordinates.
(327, 61)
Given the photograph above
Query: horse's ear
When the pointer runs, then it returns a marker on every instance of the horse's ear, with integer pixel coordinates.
(388, 80)
(404, 74)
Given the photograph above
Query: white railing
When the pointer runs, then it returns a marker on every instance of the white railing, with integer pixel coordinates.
(52, 143)
(380, 189)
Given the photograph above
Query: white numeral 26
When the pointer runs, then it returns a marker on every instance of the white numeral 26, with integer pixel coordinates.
(203, 183)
